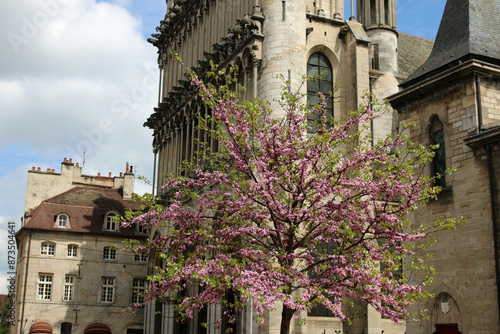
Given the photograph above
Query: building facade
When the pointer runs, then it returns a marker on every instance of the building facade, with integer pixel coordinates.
(454, 100)
(72, 277)
(267, 39)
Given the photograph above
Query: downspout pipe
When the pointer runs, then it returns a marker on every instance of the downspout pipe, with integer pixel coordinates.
(25, 282)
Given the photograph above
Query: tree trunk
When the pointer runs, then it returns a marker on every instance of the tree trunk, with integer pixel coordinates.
(286, 319)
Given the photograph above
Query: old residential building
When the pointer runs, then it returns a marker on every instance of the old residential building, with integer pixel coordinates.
(70, 277)
(454, 100)
(265, 39)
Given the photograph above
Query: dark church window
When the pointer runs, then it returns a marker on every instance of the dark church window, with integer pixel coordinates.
(373, 12)
(374, 56)
(319, 70)
(158, 315)
(386, 11)
(436, 137)
(326, 249)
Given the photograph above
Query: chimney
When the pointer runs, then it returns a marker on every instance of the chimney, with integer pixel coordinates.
(70, 160)
(98, 174)
(65, 160)
(39, 169)
(109, 174)
(48, 170)
(33, 168)
(53, 171)
(127, 169)
(77, 164)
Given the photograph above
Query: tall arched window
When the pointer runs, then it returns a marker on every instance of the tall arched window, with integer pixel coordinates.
(436, 137)
(320, 71)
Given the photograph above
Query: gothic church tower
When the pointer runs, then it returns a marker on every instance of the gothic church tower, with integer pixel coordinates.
(379, 20)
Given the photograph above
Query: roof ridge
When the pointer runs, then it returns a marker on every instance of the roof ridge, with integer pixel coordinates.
(407, 34)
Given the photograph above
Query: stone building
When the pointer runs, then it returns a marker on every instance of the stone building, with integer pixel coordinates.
(70, 278)
(454, 100)
(266, 39)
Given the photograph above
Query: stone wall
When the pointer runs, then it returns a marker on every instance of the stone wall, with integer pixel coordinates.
(88, 267)
(464, 259)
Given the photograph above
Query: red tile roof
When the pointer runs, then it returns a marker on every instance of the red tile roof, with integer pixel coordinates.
(86, 208)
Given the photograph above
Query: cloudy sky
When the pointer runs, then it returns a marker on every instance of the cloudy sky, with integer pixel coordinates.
(78, 75)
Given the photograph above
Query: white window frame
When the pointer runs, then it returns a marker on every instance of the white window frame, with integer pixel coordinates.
(72, 250)
(44, 287)
(69, 287)
(138, 290)
(141, 257)
(109, 253)
(62, 220)
(107, 294)
(48, 248)
(109, 223)
(141, 228)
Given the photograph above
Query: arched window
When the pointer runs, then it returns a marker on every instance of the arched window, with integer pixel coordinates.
(319, 70)
(62, 220)
(436, 137)
(110, 223)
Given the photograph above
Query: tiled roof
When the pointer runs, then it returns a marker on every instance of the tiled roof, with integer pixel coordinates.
(468, 29)
(86, 208)
(413, 51)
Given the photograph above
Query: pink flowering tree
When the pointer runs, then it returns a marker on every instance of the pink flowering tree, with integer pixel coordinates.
(282, 218)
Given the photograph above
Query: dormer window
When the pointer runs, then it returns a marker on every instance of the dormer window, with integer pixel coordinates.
(141, 228)
(110, 224)
(62, 220)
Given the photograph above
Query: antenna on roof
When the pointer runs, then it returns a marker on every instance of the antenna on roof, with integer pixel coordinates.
(83, 164)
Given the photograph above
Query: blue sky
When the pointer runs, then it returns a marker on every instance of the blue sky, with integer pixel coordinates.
(66, 66)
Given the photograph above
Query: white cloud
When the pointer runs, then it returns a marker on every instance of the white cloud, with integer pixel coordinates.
(75, 75)
(81, 77)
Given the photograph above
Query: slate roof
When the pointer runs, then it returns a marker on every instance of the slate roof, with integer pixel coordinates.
(86, 208)
(468, 29)
(413, 51)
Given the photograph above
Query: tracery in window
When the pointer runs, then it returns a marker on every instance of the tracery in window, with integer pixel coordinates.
(319, 70)
(436, 137)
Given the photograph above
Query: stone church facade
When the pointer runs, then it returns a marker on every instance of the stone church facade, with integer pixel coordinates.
(366, 53)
